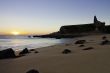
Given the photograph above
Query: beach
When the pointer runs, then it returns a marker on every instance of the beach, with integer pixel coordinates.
(52, 60)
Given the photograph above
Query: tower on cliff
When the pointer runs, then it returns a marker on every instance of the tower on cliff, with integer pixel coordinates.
(95, 19)
(96, 23)
(99, 26)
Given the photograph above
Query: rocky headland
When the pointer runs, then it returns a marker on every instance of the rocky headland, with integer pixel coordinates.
(71, 31)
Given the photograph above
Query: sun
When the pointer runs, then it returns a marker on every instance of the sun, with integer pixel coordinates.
(15, 33)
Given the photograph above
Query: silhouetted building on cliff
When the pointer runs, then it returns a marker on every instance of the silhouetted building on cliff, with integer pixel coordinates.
(70, 31)
(97, 26)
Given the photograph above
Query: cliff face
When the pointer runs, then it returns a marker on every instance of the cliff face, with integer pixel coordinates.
(107, 29)
(83, 28)
(77, 28)
(71, 31)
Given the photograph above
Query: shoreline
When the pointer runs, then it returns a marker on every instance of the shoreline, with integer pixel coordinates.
(51, 59)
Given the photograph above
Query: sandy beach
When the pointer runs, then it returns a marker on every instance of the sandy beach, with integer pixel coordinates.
(51, 60)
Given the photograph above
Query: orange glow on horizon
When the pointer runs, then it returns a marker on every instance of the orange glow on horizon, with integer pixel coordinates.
(22, 32)
(15, 33)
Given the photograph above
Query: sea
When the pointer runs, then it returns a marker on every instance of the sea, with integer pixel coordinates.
(18, 43)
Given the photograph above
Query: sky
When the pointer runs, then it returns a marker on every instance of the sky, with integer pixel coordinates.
(47, 16)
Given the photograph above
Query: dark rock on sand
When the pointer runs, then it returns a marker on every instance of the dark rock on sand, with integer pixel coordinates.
(81, 45)
(89, 48)
(25, 51)
(32, 49)
(8, 53)
(66, 51)
(105, 42)
(36, 52)
(80, 42)
(32, 71)
(104, 37)
(67, 44)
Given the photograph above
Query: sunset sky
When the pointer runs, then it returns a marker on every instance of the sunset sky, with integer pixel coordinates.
(46, 16)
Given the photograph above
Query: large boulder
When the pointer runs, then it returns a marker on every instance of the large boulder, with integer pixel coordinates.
(8, 53)
(24, 51)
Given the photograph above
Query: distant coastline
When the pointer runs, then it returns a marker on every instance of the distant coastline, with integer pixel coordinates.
(71, 31)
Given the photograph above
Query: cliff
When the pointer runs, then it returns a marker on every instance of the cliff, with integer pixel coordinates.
(70, 31)
(83, 28)
(107, 29)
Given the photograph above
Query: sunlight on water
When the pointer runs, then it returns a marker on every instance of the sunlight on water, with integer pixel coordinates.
(19, 44)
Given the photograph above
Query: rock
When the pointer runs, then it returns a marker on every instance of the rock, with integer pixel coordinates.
(58, 37)
(81, 45)
(105, 42)
(32, 71)
(67, 44)
(104, 37)
(25, 51)
(8, 53)
(66, 51)
(36, 52)
(89, 48)
(32, 49)
(80, 42)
